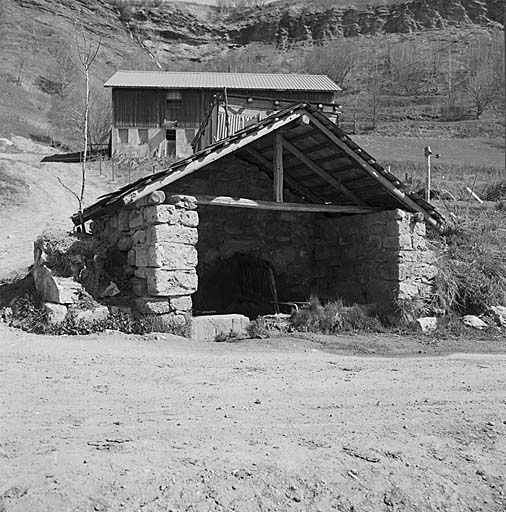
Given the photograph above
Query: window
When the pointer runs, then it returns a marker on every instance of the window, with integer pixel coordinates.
(123, 135)
(174, 104)
(170, 135)
(143, 135)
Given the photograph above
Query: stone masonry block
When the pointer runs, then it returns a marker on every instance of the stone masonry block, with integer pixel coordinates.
(189, 218)
(124, 220)
(131, 258)
(139, 236)
(141, 255)
(183, 303)
(160, 214)
(125, 243)
(154, 305)
(140, 272)
(164, 233)
(172, 256)
(139, 287)
(182, 201)
(136, 219)
(171, 282)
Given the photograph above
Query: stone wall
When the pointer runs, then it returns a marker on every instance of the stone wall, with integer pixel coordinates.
(377, 258)
(157, 238)
(284, 240)
(169, 248)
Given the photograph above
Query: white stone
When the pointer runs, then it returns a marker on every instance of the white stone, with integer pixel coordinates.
(164, 233)
(154, 305)
(426, 324)
(498, 314)
(160, 214)
(172, 256)
(96, 314)
(58, 290)
(169, 283)
(209, 328)
(474, 322)
(55, 313)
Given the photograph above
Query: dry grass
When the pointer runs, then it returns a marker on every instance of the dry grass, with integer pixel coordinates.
(472, 264)
(334, 317)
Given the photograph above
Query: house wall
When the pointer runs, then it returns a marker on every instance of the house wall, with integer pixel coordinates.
(156, 145)
(378, 258)
(148, 109)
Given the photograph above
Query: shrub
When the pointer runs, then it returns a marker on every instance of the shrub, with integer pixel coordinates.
(333, 317)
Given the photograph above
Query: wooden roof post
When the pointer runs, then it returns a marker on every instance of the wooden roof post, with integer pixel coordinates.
(278, 168)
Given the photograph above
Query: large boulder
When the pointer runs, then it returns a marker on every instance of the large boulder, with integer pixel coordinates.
(55, 289)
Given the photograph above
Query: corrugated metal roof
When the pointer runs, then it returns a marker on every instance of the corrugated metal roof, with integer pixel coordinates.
(207, 80)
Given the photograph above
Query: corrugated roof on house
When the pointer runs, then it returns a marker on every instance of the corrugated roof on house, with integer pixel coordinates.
(212, 80)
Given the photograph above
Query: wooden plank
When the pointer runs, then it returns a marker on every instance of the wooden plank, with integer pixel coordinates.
(318, 170)
(234, 202)
(204, 160)
(394, 191)
(293, 184)
(278, 168)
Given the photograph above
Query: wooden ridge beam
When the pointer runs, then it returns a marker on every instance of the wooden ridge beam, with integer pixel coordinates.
(323, 174)
(234, 202)
(392, 189)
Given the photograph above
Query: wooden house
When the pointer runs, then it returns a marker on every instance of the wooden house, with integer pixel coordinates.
(171, 113)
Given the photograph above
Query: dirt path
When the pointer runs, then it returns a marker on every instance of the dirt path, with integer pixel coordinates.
(155, 424)
(42, 203)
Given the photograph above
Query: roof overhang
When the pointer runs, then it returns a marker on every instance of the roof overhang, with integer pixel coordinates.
(278, 82)
(322, 165)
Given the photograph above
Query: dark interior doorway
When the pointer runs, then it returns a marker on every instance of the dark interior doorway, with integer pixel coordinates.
(244, 284)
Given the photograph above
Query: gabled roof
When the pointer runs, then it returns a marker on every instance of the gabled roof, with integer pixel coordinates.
(322, 165)
(212, 80)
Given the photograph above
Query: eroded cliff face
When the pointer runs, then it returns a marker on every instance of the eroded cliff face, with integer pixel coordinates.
(281, 23)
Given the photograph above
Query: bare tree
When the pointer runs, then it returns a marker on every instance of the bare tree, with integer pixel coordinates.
(87, 51)
(335, 59)
(64, 70)
(484, 79)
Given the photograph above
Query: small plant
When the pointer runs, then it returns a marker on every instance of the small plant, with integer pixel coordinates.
(334, 317)
(223, 337)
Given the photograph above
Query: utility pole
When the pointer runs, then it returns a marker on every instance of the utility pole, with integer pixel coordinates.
(428, 153)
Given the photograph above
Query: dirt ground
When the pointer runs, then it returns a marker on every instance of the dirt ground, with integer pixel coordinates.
(37, 202)
(159, 423)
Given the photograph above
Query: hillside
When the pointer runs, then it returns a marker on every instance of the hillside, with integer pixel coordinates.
(37, 35)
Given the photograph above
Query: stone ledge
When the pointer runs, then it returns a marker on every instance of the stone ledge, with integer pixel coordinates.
(208, 328)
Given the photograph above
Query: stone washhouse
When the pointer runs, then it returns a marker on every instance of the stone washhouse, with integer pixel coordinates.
(284, 209)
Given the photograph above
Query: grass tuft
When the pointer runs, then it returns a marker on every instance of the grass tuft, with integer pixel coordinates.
(334, 317)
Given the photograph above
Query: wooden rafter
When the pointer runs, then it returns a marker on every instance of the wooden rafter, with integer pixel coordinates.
(322, 173)
(392, 189)
(234, 202)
